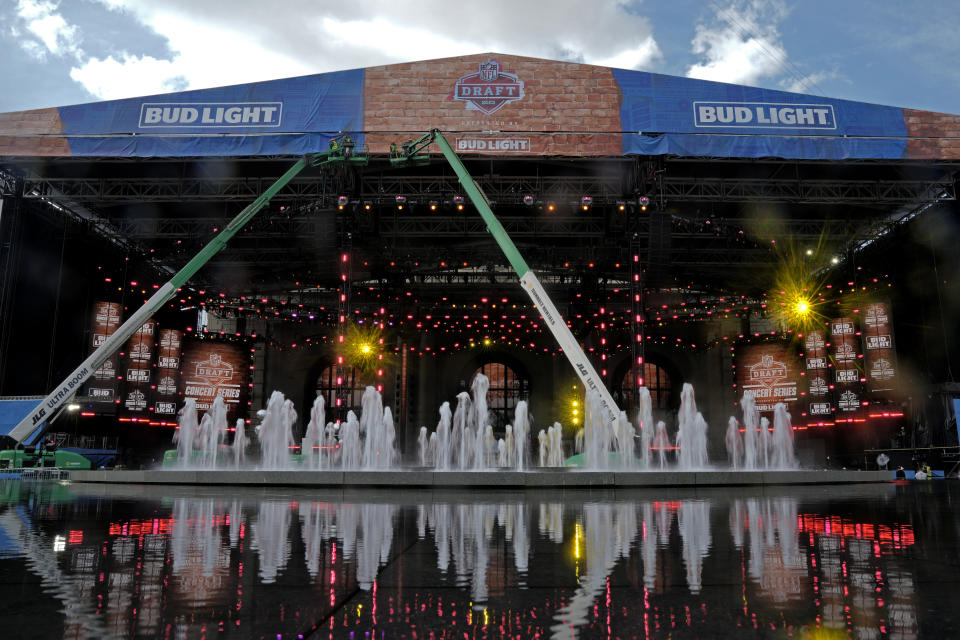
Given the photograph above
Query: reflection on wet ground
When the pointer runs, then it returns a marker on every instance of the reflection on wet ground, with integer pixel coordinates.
(100, 561)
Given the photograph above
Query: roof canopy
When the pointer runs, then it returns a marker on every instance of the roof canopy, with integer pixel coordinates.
(490, 104)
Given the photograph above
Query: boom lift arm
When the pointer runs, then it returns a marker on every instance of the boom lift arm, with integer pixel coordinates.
(341, 152)
(528, 279)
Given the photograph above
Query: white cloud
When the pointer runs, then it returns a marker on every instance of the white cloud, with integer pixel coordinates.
(55, 34)
(742, 46)
(808, 83)
(110, 78)
(217, 43)
(635, 58)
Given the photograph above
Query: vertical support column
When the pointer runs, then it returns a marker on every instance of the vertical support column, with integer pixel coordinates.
(400, 400)
(380, 315)
(259, 380)
(604, 347)
(344, 370)
(636, 312)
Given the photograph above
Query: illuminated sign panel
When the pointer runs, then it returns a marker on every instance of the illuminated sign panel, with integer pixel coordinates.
(880, 357)
(212, 369)
(770, 372)
(102, 390)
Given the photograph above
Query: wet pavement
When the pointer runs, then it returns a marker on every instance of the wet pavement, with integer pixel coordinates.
(116, 561)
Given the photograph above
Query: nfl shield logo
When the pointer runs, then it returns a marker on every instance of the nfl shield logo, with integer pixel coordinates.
(489, 71)
(489, 88)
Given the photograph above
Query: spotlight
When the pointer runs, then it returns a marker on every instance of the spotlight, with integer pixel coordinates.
(644, 203)
(528, 200)
(401, 200)
(342, 202)
(585, 202)
(458, 201)
(433, 205)
(551, 207)
(367, 206)
(621, 206)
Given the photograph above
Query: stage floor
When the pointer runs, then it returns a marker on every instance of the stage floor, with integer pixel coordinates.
(485, 479)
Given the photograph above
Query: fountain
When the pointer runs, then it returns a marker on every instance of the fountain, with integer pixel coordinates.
(186, 433)
(276, 433)
(443, 445)
(645, 420)
(751, 420)
(423, 447)
(521, 422)
(661, 442)
(734, 443)
(240, 443)
(481, 451)
(692, 433)
(464, 440)
(781, 444)
(312, 445)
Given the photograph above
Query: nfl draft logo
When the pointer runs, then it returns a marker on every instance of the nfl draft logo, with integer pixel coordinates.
(489, 88)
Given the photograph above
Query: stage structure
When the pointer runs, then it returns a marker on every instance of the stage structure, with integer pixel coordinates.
(654, 210)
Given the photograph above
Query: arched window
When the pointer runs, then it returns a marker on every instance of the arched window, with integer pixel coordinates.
(655, 379)
(354, 384)
(506, 389)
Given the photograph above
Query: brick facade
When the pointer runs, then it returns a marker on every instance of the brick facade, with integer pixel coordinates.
(32, 133)
(933, 136)
(567, 108)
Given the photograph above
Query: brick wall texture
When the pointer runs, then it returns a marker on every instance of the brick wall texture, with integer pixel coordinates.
(567, 108)
(32, 133)
(933, 135)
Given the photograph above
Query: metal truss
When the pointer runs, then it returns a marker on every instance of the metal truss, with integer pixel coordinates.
(267, 227)
(517, 227)
(120, 190)
(501, 189)
(536, 225)
(8, 183)
(805, 191)
(504, 190)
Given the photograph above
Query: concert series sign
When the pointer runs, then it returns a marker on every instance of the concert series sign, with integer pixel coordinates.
(771, 372)
(212, 369)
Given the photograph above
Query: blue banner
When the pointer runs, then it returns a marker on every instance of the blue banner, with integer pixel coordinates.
(289, 117)
(682, 116)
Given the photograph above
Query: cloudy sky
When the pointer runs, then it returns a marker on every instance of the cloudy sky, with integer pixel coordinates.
(895, 52)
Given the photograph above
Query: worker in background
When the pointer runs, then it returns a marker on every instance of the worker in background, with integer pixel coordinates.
(347, 143)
